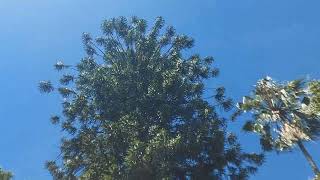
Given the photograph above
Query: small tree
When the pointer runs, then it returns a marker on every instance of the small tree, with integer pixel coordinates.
(133, 109)
(284, 115)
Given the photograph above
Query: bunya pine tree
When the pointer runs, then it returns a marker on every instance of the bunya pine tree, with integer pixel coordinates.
(133, 108)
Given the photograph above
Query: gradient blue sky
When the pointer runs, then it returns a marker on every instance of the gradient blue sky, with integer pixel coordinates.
(249, 40)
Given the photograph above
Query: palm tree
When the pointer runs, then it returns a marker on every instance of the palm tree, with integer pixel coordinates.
(285, 115)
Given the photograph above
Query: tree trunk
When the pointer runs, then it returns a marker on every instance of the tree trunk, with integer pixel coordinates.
(309, 158)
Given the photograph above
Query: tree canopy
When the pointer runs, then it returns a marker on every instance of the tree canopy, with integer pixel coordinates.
(284, 114)
(133, 108)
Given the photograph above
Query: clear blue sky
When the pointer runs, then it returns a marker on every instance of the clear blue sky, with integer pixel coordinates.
(249, 40)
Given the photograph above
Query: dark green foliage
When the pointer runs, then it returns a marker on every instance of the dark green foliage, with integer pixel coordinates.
(60, 66)
(66, 79)
(45, 86)
(248, 126)
(134, 109)
(55, 119)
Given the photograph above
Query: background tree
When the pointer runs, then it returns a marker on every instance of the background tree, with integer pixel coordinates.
(133, 108)
(285, 115)
(5, 175)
